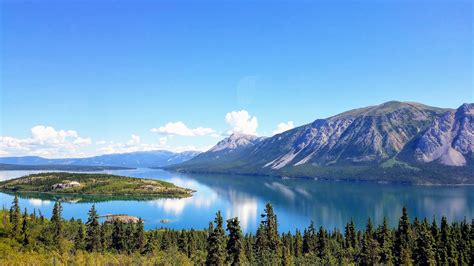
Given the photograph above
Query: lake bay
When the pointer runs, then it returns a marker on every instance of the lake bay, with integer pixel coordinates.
(296, 201)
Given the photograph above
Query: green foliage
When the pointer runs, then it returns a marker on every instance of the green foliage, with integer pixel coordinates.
(93, 243)
(93, 184)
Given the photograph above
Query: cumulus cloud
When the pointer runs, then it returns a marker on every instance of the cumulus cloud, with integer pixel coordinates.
(44, 141)
(180, 129)
(242, 122)
(282, 127)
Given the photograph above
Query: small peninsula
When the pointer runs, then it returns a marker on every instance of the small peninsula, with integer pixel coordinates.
(77, 184)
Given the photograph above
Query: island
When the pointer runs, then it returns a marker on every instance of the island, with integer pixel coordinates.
(92, 186)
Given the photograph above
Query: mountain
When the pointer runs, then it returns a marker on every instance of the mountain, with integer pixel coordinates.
(449, 139)
(133, 159)
(78, 168)
(389, 142)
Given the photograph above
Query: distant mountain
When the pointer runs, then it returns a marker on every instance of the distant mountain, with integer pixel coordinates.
(79, 168)
(395, 142)
(133, 159)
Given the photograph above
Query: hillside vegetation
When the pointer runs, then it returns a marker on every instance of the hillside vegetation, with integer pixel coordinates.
(93, 184)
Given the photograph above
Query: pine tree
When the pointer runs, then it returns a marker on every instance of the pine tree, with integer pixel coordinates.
(93, 231)
(385, 240)
(370, 248)
(80, 238)
(424, 253)
(15, 218)
(403, 239)
(435, 233)
(140, 238)
(464, 243)
(118, 236)
(249, 251)
(309, 239)
(298, 244)
(24, 229)
(57, 223)
(216, 253)
(235, 247)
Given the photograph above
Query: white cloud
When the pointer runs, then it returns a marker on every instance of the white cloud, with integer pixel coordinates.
(242, 122)
(132, 145)
(282, 127)
(180, 129)
(134, 140)
(44, 141)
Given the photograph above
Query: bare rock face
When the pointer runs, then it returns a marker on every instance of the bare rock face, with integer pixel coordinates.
(449, 138)
(366, 135)
(235, 141)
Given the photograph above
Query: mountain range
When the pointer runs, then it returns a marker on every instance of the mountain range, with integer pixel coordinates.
(402, 142)
(157, 158)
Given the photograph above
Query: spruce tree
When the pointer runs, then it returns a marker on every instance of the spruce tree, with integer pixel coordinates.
(57, 223)
(93, 242)
(15, 218)
(118, 236)
(424, 253)
(403, 239)
(216, 253)
(235, 246)
(298, 244)
(80, 238)
(370, 248)
(140, 238)
(385, 240)
(24, 229)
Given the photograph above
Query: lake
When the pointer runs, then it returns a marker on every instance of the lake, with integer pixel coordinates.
(296, 201)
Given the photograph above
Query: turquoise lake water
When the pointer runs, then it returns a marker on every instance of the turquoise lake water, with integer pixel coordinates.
(296, 201)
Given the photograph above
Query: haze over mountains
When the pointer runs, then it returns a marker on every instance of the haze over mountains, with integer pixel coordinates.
(393, 141)
(134, 159)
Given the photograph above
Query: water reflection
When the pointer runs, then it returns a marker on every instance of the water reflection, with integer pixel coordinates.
(296, 202)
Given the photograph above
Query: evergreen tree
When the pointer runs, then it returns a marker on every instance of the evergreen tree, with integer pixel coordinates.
(140, 238)
(385, 240)
(298, 244)
(350, 235)
(216, 253)
(118, 236)
(235, 245)
(80, 238)
(370, 248)
(15, 218)
(464, 243)
(93, 242)
(24, 229)
(435, 233)
(309, 239)
(424, 253)
(322, 244)
(403, 239)
(57, 222)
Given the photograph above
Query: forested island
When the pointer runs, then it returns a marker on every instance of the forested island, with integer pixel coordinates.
(30, 238)
(100, 185)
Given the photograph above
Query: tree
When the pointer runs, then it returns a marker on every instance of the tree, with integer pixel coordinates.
(235, 245)
(370, 248)
(309, 239)
(93, 231)
(140, 239)
(24, 229)
(80, 238)
(118, 236)
(15, 217)
(57, 223)
(447, 247)
(424, 253)
(385, 240)
(298, 244)
(403, 239)
(216, 253)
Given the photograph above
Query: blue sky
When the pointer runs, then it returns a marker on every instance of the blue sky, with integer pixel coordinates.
(81, 77)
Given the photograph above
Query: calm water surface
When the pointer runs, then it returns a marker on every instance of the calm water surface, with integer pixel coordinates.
(296, 201)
